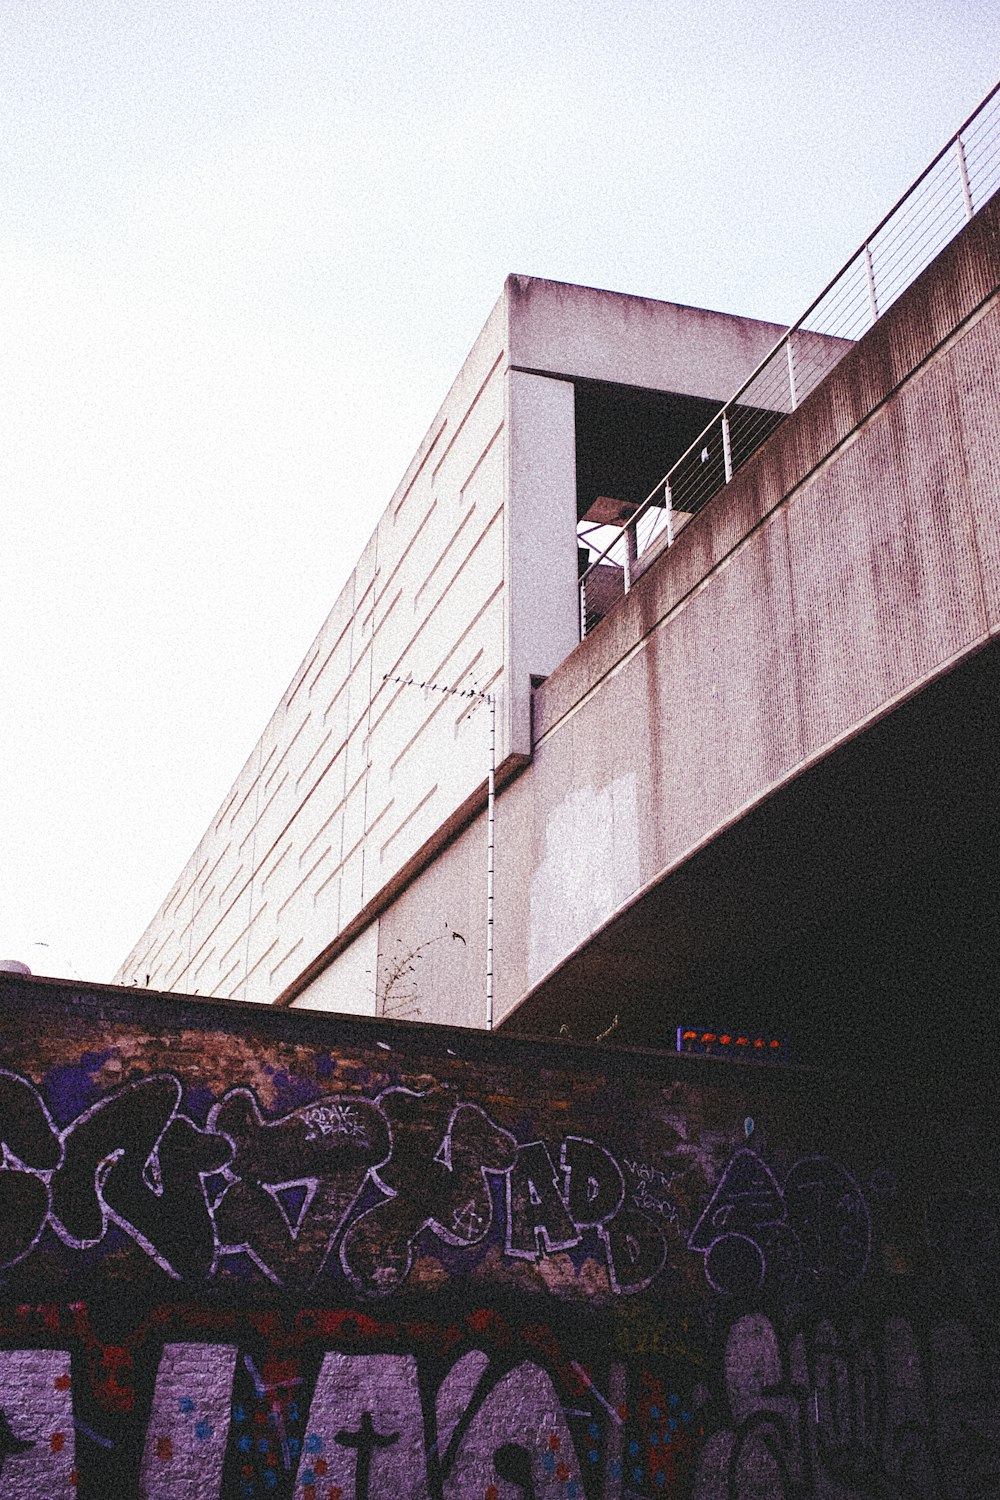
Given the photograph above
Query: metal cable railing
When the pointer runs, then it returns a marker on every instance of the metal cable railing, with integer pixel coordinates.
(952, 188)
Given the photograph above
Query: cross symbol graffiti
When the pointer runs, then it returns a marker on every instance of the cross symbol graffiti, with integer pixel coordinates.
(366, 1440)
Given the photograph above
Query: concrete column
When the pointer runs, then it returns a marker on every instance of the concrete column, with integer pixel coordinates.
(542, 612)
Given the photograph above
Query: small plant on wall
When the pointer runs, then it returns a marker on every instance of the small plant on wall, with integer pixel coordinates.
(398, 989)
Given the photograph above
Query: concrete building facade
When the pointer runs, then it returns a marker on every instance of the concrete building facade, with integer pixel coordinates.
(469, 582)
(762, 793)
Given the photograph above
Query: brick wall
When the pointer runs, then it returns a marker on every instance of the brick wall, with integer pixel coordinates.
(253, 1253)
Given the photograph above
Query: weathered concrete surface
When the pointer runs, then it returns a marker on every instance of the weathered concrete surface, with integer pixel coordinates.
(469, 581)
(587, 333)
(852, 561)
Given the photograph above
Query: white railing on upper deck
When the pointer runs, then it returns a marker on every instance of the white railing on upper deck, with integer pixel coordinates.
(957, 183)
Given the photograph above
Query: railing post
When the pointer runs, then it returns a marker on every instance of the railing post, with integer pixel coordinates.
(791, 372)
(668, 501)
(870, 272)
(631, 555)
(727, 452)
(963, 172)
(842, 286)
(583, 608)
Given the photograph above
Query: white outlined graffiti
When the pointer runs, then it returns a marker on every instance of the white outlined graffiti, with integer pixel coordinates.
(813, 1234)
(293, 1193)
(436, 1179)
(133, 1160)
(290, 1188)
(32, 1150)
(538, 1221)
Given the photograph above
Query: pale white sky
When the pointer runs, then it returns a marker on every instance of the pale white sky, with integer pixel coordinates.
(245, 246)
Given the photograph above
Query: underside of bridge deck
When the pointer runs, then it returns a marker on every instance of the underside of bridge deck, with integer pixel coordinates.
(856, 912)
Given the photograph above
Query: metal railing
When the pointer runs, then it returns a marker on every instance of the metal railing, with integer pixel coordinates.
(952, 188)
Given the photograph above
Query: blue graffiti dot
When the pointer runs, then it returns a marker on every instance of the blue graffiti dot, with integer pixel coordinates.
(549, 1463)
(270, 1479)
(672, 1424)
(263, 1444)
(293, 1447)
(614, 1469)
(633, 1448)
(654, 1438)
(293, 1411)
(654, 1412)
(637, 1475)
(660, 1478)
(245, 1443)
(748, 1127)
(571, 1490)
(675, 1400)
(185, 1405)
(668, 1437)
(593, 1455)
(314, 1444)
(239, 1415)
(308, 1476)
(594, 1430)
(685, 1416)
(246, 1487)
(203, 1430)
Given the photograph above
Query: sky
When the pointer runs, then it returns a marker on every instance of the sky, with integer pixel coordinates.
(245, 247)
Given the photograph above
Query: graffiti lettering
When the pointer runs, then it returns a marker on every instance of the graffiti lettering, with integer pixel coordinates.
(436, 1178)
(502, 1434)
(537, 1220)
(334, 1118)
(518, 1437)
(594, 1184)
(29, 1142)
(189, 1421)
(811, 1237)
(290, 1186)
(38, 1442)
(133, 1160)
(832, 1415)
(365, 1432)
(636, 1251)
(282, 1191)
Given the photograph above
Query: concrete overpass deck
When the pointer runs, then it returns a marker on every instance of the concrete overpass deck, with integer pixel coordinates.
(710, 764)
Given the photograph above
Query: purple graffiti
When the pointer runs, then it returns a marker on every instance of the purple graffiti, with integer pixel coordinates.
(854, 1412)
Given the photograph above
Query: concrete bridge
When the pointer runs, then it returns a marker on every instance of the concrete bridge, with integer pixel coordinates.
(764, 791)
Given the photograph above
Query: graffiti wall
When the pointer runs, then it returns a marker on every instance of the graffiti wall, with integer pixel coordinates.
(252, 1253)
